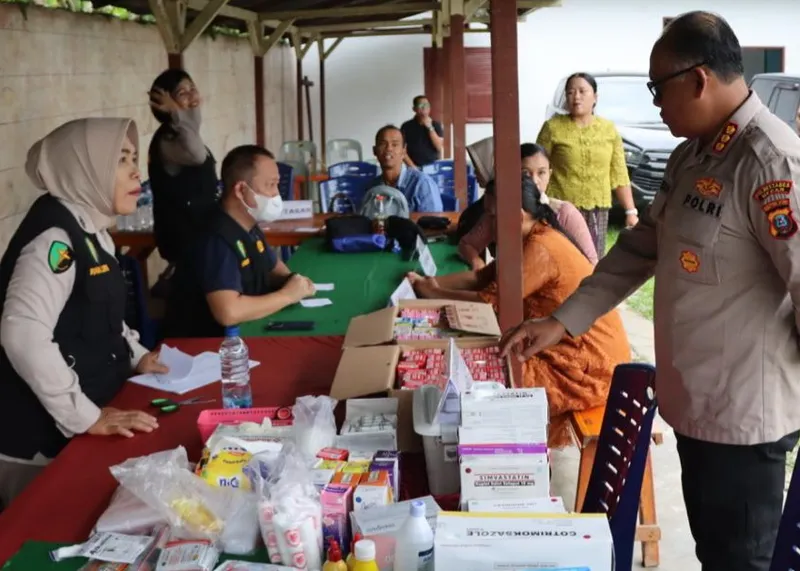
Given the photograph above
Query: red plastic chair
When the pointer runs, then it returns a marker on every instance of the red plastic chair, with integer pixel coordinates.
(615, 483)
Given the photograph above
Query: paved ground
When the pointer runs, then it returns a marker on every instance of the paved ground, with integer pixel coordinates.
(677, 546)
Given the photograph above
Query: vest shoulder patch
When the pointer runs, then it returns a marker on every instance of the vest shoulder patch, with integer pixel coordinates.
(59, 257)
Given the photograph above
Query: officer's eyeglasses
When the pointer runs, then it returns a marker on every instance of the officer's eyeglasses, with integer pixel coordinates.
(655, 85)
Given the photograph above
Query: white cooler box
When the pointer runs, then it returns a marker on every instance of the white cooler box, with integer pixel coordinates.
(440, 442)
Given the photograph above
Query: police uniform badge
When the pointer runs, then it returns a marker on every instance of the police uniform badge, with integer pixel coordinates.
(690, 262)
(775, 200)
(260, 246)
(92, 250)
(60, 257)
(243, 253)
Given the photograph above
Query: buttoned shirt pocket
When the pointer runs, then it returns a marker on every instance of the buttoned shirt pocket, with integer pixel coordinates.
(696, 234)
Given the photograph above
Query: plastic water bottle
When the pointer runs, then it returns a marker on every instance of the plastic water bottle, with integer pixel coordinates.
(235, 364)
(414, 541)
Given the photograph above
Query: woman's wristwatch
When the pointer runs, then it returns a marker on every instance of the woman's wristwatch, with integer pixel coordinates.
(632, 212)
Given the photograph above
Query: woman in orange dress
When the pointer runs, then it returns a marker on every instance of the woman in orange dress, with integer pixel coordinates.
(577, 372)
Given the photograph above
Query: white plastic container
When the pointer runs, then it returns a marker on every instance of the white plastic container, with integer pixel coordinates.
(439, 441)
(414, 542)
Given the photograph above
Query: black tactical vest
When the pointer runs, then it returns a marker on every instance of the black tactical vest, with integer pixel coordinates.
(88, 331)
(188, 314)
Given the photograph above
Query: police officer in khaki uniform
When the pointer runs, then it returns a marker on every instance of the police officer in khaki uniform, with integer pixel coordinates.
(64, 348)
(721, 239)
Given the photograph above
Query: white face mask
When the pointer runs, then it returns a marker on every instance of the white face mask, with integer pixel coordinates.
(268, 209)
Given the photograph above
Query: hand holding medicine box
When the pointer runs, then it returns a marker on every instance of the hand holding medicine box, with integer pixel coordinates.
(517, 542)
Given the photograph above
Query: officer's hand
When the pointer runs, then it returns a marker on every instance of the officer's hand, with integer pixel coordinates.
(149, 363)
(426, 288)
(299, 287)
(532, 336)
(113, 421)
(414, 277)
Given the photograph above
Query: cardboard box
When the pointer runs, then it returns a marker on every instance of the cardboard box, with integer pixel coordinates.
(484, 542)
(526, 407)
(371, 371)
(381, 524)
(374, 490)
(377, 328)
(535, 505)
(504, 472)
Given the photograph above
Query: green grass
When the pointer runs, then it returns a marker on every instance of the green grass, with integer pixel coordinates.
(642, 300)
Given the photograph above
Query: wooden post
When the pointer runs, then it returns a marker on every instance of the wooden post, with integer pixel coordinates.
(175, 61)
(447, 107)
(458, 93)
(258, 72)
(299, 98)
(323, 143)
(505, 110)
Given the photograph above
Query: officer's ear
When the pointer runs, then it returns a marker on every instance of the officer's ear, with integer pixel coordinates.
(703, 78)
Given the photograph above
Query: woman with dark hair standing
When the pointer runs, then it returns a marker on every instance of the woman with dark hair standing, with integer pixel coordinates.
(588, 159)
(182, 170)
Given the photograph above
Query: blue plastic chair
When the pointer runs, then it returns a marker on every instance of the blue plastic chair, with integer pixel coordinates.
(786, 555)
(286, 184)
(449, 203)
(445, 166)
(615, 484)
(342, 150)
(136, 314)
(353, 168)
(346, 192)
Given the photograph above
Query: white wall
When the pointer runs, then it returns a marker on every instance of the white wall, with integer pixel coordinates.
(371, 81)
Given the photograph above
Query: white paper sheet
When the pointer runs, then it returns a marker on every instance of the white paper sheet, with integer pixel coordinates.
(205, 370)
(307, 229)
(316, 302)
(404, 291)
(179, 363)
(323, 287)
(426, 258)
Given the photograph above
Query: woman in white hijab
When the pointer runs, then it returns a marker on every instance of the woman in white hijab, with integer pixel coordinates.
(65, 350)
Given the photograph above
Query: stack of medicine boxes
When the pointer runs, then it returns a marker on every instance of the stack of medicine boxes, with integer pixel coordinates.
(502, 445)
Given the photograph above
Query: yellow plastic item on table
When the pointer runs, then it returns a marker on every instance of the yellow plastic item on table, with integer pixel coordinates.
(196, 516)
(224, 467)
(356, 468)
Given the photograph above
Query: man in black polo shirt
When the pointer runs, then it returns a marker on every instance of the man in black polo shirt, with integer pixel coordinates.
(423, 135)
(231, 276)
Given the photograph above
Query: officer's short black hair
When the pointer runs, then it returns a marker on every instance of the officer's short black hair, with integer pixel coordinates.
(386, 128)
(704, 38)
(240, 164)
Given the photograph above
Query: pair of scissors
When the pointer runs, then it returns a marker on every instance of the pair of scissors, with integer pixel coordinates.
(168, 405)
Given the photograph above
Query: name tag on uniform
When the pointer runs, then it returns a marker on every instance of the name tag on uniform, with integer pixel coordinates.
(702, 205)
(98, 270)
(245, 262)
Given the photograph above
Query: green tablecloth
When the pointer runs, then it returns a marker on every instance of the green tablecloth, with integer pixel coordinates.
(362, 284)
(35, 556)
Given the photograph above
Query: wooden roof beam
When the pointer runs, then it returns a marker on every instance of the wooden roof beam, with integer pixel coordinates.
(356, 26)
(352, 11)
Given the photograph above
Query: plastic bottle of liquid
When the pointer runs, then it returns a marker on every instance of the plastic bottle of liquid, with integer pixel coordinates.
(380, 216)
(334, 562)
(414, 542)
(235, 365)
(351, 557)
(364, 559)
